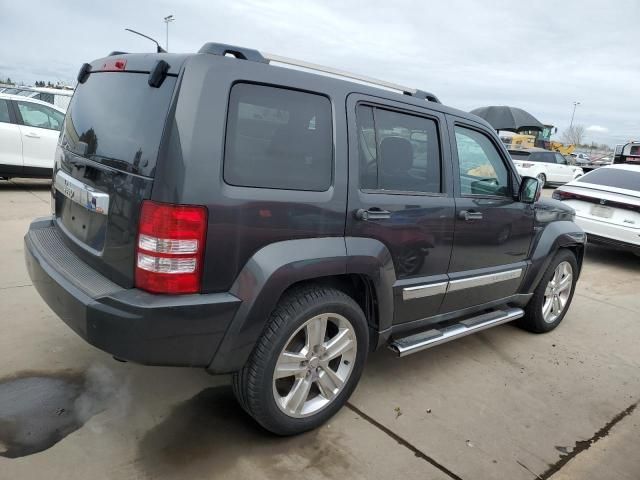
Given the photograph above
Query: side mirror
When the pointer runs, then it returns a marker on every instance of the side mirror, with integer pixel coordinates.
(530, 190)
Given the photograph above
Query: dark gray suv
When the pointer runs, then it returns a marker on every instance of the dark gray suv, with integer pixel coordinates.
(216, 210)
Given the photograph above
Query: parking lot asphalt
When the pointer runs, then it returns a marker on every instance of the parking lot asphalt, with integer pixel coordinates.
(501, 404)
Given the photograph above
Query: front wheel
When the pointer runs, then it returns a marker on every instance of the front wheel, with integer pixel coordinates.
(307, 362)
(553, 295)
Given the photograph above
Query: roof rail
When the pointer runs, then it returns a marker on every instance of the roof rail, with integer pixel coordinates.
(255, 56)
(270, 57)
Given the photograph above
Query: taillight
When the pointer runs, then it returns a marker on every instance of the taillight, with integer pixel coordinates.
(170, 247)
(562, 195)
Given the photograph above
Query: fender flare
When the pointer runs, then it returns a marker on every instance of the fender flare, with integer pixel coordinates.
(277, 266)
(556, 235)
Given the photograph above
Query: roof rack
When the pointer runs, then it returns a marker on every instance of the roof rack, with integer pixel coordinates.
(255, 56)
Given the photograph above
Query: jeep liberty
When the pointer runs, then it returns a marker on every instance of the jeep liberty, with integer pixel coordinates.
(225, 211)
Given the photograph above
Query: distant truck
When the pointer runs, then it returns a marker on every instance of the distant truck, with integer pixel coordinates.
(627, 153)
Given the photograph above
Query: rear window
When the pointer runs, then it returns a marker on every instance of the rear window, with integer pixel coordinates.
(613, 177)
(278, 138)
(117, 119)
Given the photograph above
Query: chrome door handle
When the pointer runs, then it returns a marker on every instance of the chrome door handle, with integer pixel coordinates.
(469, 215)
(372, 214)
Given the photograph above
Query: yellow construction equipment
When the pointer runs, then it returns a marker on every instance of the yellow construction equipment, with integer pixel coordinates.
(534, 138)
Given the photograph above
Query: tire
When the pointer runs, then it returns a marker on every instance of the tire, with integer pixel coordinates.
(542, 178)
(298, 318)
(535, 320)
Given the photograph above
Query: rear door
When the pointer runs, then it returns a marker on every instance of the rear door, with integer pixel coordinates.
(105, 165)
(40, 128)
(400, 194)
(493, 231)
(10, 140)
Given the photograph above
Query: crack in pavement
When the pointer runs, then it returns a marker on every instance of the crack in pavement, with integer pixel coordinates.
(24, 189)
(417, 452)
(583, 445)
(17, 286)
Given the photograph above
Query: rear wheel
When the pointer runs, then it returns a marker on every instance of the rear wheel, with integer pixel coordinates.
(307, 363)
(542, 178)
(554, 293)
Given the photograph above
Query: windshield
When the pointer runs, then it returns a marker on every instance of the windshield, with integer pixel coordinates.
(117, 119)
(613, 177)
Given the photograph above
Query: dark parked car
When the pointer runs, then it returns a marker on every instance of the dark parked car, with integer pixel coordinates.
(229, 214)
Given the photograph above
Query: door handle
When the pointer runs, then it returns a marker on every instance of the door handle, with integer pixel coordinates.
(31, 135)
(469, 215)
(374, 213)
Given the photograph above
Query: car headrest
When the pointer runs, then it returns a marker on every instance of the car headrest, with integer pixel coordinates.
(397, 155)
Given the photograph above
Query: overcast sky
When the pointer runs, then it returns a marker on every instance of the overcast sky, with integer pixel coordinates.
(540, 55)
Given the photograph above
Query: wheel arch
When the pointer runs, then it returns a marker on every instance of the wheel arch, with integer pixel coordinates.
(360, 267)
(555, 236)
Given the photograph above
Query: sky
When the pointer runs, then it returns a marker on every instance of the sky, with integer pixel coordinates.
(541, 56)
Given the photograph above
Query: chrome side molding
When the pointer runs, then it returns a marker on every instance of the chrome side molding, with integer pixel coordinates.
(81, 193)
(424, 290)
(427, 290)
(455, 285)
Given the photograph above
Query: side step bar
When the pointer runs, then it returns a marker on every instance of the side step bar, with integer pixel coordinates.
(430, 338)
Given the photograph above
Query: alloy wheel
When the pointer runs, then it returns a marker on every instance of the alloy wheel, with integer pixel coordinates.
(315, 364)
(556, 295)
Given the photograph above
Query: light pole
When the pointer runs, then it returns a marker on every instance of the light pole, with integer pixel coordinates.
(575, 104)
(167, 19)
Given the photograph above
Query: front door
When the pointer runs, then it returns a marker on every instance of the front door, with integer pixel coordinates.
(493, 231)
(40, 130)
(565, 171)
(400, 193)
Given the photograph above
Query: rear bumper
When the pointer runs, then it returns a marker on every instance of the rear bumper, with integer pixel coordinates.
(610, 234)
(610, 242)
(172, 330)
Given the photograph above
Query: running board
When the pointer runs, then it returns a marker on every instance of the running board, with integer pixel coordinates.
(430, 338)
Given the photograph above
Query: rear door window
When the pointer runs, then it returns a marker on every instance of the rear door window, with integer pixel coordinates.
(278, 138)
(398, 152)
(117, 119)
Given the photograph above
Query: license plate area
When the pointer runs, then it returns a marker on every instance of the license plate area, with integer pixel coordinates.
(601, 211)
(81, 211)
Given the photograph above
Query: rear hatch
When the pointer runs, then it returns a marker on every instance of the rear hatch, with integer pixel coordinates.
(107, 157)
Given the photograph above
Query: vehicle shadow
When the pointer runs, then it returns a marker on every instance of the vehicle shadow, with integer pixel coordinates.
(603, 255)
(211, 433)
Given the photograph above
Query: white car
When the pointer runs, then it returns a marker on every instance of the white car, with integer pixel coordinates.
(29, 131)
(581, 158)
(607, 205)
(548, 167)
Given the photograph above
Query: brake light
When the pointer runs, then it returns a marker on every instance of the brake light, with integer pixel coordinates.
(562, 195)
(114, 65)
(170, 247)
